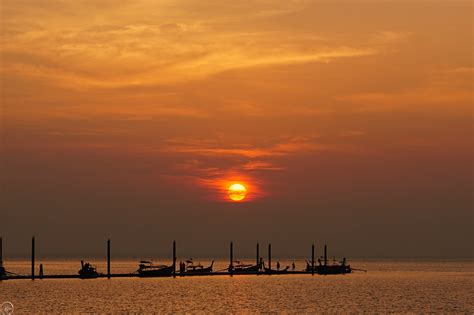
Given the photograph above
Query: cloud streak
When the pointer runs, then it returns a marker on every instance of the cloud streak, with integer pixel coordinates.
(183, 46)
(214, 165)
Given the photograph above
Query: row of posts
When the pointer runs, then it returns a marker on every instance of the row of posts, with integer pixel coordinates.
(257, 261)
(174, 257)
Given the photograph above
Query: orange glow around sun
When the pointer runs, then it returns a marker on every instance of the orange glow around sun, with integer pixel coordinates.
(237, 192)
(232, 187)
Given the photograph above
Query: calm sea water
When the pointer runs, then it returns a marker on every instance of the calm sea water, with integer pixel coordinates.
(406, 286)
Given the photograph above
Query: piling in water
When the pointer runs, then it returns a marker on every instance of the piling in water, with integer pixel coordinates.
(258, 255)
(33, 258)
(108, 258)
(3, 272)
(325, 255)
(231, 265)
(1, 252)
(269, 256)
(174, 258)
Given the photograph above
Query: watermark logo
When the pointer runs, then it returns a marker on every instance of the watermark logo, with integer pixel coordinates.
(6, 308)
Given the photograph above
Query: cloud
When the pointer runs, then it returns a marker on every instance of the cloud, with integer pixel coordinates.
(261, 165)
(280, 147)
(177, 45)
(214, 164)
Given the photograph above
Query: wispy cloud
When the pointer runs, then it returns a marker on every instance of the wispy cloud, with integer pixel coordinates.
(281, 147)
(175, 46)
(215, 165)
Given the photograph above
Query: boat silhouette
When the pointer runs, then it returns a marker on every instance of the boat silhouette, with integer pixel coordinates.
(148, 269)
(196, 268)
(87, 271)
(240, 268)
(276, 271)
(326, 269)
(3, 272)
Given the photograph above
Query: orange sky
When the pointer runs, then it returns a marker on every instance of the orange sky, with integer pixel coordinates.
(330, 111)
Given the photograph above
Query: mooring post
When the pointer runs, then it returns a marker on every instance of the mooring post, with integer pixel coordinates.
(231, 265)
(108, 258)
(312, 260)
(269, 258)
(33, 258)
(2, 269)
(325, 255)
(1, 252)
(258, 255)
(174, 259)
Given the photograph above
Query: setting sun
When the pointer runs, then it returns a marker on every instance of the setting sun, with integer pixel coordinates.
(237, 192)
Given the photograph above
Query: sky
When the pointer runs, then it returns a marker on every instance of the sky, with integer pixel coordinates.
(350, 123)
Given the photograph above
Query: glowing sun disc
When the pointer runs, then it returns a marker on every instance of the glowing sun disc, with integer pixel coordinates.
(237, 192)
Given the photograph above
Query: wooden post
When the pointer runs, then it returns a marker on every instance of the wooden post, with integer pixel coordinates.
(174, 259)
(312, 259)
(108, 258)
(325, 255)
(258, 255)
(1, 252)
(231, 265)
(269, 257)
(33, 258)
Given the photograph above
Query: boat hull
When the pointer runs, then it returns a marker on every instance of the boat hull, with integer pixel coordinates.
(199, 271)
(245, 270)
(273, 271)
(88, 275)
(333, 270)
(155, 272)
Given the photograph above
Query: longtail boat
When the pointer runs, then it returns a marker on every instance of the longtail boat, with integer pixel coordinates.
(326, 269)
(244, 268)
(3, 272)
(193, 268)
(148, 269)
(87, 271)
(276, 271)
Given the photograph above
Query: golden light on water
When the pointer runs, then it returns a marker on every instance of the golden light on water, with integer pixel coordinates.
(237, 192)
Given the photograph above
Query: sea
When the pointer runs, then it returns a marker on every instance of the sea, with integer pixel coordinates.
(404, 286)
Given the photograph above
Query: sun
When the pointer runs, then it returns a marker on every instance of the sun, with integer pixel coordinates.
(237, 192)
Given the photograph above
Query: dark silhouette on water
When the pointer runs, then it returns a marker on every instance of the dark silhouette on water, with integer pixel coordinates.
(148, 269)
(269, 270)
(240, 268)
(192, 268)
(189, 268)
(33, 258)
(87, 271)
(326, 269)
(41, 271)
(277, 271)
(244, 268)
(3, 272)
(108, 258)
